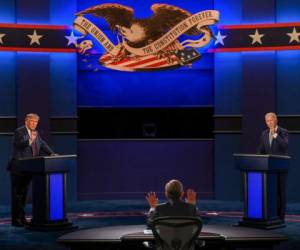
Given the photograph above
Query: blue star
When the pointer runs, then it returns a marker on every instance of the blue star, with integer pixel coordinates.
(219, 38)
(72, 39)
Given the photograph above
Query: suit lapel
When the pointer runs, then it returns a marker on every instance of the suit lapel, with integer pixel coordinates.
(25, 132)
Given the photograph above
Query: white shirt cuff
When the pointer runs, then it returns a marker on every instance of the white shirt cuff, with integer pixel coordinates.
(151, 209)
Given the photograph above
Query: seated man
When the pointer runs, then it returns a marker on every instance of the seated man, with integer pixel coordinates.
(175, 205)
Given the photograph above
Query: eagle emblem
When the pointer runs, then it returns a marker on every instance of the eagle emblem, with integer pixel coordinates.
(147, 43)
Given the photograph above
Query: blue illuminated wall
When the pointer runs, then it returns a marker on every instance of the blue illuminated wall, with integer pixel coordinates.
(183, 87)
(7, 99)
(239, 84)
(249, 84)
(288, 90)
(45, 83)
(170, 88)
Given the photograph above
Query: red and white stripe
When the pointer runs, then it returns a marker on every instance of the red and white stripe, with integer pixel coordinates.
(135, 63)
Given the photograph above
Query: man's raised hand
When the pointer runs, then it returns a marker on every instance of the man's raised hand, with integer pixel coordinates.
(152, 199)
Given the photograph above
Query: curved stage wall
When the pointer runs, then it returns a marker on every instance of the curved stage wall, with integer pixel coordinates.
(127, 169)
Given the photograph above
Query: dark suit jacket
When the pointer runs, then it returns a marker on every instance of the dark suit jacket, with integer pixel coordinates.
(279, 144)
(21, 147)
(178, 208)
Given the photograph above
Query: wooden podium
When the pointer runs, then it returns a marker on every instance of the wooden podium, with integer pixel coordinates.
(264, 189)
(49, 177)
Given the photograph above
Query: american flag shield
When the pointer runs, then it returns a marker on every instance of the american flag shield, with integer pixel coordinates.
(149, 62)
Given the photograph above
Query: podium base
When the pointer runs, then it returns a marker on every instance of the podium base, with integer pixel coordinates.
(50, 227)
(262, 224)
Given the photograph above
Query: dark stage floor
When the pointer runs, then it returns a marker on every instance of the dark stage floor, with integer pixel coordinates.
(95, 214)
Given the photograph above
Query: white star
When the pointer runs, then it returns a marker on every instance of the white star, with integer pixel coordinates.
(72, 39)
(256, 37)
(219, 38)
(294, 36)
(1, 36)
(35, 38)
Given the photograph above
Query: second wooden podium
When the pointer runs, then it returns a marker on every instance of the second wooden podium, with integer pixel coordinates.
(264, 189)
(49, 178)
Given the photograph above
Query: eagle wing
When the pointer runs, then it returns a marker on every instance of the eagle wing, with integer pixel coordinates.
(168, 16)
(114, 14)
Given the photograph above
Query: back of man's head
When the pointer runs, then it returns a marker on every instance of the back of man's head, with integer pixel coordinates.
(174, 190)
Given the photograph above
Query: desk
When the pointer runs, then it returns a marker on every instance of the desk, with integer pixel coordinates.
(130, 237)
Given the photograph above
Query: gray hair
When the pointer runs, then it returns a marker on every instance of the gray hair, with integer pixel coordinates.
(271, 114)
(32, 115)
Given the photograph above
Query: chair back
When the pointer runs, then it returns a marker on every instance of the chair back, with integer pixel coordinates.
(176, 233)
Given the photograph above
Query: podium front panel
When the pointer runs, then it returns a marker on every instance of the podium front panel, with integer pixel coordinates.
(254, 195)
(56, 196)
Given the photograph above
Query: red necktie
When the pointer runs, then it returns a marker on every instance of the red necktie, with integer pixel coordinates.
(34, 148)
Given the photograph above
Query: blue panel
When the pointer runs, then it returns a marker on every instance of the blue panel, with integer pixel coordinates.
(67, 144)
(227, 179)
(5, 149)
(7, 83)
(228, 81)
(255, 195)
(140, 89)
(32, 11)
(62, 12)
(287, 11)
(258, 95)
(230, 11)
(288, 75)
(258, 11)
(142, 9)
(7, 11)
(63, 78)
(33, 93)
(56, 205)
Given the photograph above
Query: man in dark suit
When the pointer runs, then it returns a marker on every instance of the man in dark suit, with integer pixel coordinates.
(275, 139)
(26, 143)
(175, 205)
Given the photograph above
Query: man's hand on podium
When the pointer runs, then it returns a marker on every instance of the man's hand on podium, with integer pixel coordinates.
(54, 154)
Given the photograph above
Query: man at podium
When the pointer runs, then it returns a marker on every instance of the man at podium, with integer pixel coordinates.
(26, 143)
(274, 140)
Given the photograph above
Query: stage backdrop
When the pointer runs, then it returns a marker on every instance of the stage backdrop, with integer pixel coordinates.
(155, 124)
